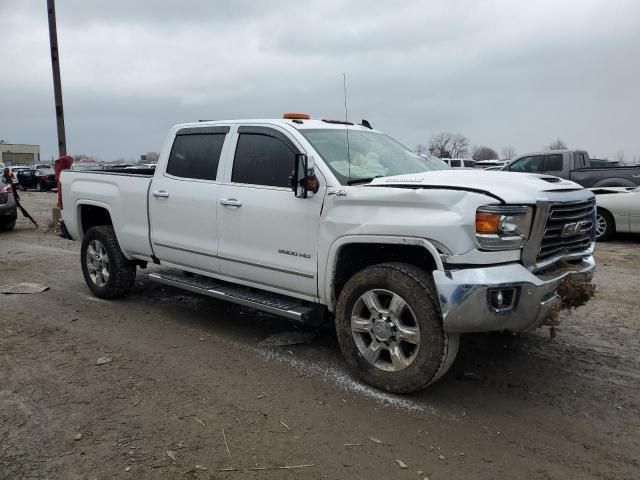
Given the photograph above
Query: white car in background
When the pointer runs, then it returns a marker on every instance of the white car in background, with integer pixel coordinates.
(486, 164)
(618, 211)
(459, 162)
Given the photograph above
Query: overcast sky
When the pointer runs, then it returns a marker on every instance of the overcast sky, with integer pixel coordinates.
(501, 72)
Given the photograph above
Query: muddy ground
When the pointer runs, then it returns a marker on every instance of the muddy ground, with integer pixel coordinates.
(190, 379)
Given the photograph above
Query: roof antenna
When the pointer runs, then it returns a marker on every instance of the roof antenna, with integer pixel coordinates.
(346, 120)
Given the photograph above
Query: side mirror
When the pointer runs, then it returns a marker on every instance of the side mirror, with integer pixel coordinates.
(303, 180)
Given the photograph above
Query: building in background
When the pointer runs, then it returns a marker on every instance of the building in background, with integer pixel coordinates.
(18, 154)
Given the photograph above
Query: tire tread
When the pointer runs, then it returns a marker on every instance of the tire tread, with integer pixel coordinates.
(427, 287)
(122, 273)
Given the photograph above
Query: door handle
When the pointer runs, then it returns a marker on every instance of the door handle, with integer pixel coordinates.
(230, 202)
(160, 194)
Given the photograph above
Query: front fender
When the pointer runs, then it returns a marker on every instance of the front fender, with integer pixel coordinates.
(327, 271)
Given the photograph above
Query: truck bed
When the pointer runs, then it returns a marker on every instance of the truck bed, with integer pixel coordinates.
(606, 176)
(123, 193)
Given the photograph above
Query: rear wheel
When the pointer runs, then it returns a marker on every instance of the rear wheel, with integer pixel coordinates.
(605, 226)
(389, 327)
(8, 224)
(106, 270)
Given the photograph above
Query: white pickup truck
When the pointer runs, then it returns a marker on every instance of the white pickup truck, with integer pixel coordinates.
(318, 220)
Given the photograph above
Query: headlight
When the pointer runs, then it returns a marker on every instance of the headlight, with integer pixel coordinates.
(503, 227)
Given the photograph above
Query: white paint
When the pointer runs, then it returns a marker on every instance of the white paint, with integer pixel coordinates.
(344, 381)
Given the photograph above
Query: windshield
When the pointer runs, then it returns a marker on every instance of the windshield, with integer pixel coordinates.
(434, 163)
(371, 154)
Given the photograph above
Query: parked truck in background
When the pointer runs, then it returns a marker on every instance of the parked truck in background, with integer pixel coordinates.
(575, 165)
(318, 219)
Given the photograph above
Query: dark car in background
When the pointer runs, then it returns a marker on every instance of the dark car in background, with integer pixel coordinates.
(8, 208)
(575, 165)
(40, 177)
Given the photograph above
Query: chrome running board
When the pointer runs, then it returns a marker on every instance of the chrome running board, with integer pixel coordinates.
(273, 303)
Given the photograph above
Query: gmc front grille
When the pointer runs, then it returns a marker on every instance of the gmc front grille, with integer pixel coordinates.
(569, 230)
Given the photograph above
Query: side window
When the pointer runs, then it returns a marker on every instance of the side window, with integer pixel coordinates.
(577, 160)
(196, 156)
(262, 160)
(517, 165)
(553, 163)
(455, 163)
(533, 164)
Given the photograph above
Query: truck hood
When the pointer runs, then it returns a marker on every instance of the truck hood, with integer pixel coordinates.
(510, 187)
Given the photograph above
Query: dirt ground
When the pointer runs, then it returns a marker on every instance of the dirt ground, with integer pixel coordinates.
(190, 379)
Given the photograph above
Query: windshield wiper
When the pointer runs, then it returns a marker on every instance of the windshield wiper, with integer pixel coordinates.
(356, 181)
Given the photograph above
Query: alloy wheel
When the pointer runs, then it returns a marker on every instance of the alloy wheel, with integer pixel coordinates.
(601, 225)
(97, 263)
(385, 330)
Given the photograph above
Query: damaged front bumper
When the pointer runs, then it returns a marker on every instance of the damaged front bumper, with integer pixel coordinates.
(504, 297)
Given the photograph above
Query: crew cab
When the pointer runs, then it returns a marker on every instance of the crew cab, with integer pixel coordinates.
(575, 165)
(321, 220)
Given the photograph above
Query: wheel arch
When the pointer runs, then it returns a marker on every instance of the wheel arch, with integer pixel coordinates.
(614, 182)
(350, 254)
(90, 213)
(611, 216)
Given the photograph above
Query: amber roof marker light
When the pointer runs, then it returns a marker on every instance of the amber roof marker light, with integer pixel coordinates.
(296, 116)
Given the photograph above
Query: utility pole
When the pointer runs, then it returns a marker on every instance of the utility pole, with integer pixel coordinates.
(57, 84)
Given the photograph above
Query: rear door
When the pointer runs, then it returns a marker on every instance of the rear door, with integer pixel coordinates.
(182, 200)
(268, 236)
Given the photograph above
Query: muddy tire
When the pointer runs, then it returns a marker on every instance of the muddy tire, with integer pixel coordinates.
(106, 270)
(605, 225)
(389, 328)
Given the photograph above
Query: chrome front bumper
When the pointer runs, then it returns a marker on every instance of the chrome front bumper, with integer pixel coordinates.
(465, 296)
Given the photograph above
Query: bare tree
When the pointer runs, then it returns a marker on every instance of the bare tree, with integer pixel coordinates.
(508, 152)
(83, 157)
(620, 157)
(421, 149)
(152, 157)
(481, 152)
(449, 145)
(557, 144)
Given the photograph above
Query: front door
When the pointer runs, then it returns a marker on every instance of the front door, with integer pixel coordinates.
(182, 201)
(268, 236)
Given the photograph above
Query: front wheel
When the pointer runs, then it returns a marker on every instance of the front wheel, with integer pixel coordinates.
(106, 270)
(389, 327)
(605, 227)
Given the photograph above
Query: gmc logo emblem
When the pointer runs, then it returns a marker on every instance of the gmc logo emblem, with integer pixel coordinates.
(571, 229)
